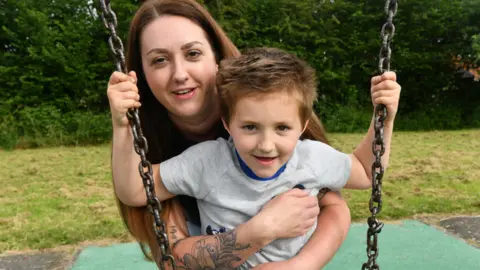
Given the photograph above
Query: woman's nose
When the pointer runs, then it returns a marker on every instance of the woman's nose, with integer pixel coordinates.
(180, 74)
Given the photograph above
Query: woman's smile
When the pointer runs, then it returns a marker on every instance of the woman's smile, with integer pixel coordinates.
(185, 93)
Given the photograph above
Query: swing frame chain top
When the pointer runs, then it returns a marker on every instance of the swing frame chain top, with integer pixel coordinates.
(140, 142)
(378, 145)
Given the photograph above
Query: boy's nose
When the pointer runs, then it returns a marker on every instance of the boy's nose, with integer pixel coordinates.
(266, 145)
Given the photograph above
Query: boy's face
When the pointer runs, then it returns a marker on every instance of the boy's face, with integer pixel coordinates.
(265, 130)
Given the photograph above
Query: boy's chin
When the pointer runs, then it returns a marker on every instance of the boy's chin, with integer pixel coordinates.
(265, 173)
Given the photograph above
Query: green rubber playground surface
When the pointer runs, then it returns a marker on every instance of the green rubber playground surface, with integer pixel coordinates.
(409, 245)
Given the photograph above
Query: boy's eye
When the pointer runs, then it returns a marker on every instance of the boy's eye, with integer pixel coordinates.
(283, 128)
(249, 127)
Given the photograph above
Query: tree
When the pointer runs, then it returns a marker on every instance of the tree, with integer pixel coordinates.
(476, 48)
(55, 54)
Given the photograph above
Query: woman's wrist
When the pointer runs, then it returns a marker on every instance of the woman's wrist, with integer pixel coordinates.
(121, 129)
(260, 235)
(302, 262)
(122, 135)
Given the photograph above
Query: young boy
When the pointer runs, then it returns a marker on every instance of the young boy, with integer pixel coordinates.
(266, 98)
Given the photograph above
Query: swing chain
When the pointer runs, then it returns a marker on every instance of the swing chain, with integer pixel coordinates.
(378, 145)
(387, 33)
(115, 43)
(140, 142)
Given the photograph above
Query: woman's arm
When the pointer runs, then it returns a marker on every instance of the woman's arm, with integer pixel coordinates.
(385, 90)
(221, 251)
(122, 94)
(363, 158)
(332, 229)
(126, 179)
(288, 215)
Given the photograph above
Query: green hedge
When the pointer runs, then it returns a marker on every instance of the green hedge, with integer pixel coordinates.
(55, 61)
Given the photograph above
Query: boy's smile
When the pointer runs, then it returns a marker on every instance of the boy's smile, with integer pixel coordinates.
(265, 160)
(265, 129)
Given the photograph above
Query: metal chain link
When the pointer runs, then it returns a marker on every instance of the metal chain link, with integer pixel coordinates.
(140, 142)
(378, 145)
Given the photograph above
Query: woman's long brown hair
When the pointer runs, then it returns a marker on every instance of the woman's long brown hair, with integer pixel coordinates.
(156, 126)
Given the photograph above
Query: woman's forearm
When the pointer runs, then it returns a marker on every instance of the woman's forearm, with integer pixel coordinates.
(221, 251)
(126, 178)
(332, 229)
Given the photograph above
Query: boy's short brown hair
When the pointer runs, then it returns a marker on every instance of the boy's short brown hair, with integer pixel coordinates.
(263, 71)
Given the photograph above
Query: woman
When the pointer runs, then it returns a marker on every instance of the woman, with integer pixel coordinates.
(174, 46)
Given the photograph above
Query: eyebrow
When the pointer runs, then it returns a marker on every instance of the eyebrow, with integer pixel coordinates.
(184, 47)
(190, 44)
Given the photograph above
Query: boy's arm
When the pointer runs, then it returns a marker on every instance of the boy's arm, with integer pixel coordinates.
(160, 189)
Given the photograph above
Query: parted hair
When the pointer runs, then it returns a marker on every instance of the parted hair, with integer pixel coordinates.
(156, 125)
(262, 71)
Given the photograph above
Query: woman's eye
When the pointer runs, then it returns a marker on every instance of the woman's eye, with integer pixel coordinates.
(160, 60)
(193, 54)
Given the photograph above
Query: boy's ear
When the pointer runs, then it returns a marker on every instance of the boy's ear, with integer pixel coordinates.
(225, 125)
(305, 126)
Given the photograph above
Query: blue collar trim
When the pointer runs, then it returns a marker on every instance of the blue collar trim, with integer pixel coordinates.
(252, 175)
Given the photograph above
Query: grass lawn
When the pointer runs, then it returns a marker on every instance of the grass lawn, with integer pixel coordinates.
(62, 196)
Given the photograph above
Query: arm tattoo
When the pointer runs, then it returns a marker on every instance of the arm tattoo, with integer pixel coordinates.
(322, 193)
(219, 254)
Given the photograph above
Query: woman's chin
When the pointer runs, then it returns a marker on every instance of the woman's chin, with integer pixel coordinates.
(188, 111)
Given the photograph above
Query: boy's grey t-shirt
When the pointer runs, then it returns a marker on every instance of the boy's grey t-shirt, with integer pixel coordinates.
(227, 197)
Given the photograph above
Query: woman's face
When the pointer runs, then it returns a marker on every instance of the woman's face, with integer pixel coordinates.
(179, 65)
